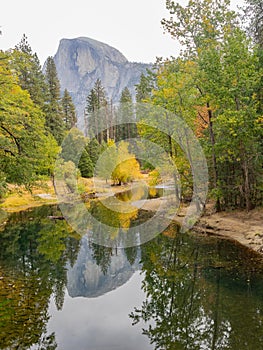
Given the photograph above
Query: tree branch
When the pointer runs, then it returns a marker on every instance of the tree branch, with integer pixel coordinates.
(14, 138)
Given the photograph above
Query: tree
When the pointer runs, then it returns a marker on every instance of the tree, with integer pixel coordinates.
(96, 112)
(221, 89)
(127, 167)
(107, 162)
(26, 151)
(199, 23)
(85, 165)
(69, 112)
(126, 127)
(145, 87)
(54, 112)
(28, 70)
(254, 13)
(94, 149)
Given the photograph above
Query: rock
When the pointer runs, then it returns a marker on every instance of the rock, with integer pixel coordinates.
(52, 217)
(81, 61)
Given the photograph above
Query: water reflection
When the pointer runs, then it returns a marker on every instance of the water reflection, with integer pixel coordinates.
(140, 192)
(201, 294)
(192, 293)
(39, 258)
(33, 255)
(99, 270)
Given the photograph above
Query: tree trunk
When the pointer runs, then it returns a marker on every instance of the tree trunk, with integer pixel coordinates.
(214, 160)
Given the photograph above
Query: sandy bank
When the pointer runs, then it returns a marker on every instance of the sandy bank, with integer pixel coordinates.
(241, 226)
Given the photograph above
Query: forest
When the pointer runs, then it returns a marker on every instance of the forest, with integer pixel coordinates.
(214, 85)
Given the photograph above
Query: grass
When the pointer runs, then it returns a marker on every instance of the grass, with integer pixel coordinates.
(19, 198)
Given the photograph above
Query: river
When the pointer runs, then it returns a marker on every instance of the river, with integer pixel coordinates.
(58, 290)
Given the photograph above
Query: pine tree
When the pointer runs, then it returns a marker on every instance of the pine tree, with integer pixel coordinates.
(28, 69)
(94, 150)
(96, 112)
(69, 112)
(254, 13)
(85, 165)
(54, 113)
(126, 116)
(145, 87)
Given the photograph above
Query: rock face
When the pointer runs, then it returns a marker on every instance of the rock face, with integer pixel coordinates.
(81, 61)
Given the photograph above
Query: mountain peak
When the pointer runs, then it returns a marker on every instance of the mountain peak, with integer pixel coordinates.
(99, 47)
(81, 61)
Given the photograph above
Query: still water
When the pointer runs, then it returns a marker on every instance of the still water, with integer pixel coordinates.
(179, 291)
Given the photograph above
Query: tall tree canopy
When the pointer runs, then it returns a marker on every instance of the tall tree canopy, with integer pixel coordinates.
(214, 87)
(26, 151)
(54, 115)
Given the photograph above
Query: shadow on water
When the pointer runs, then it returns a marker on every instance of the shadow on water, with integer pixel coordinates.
(200, 293)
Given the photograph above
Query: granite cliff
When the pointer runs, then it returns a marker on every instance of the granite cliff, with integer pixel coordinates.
(81, 61)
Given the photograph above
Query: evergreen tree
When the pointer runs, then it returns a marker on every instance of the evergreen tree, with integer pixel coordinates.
(96, 112)
(254, 13)
(28, 69)
(145, 87)
(94, 149)
(69, 112)
(85, 165)
(126, 116)
(54, 113)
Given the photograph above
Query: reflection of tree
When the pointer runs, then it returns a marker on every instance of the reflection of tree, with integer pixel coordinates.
(102, 256)
(47, 342)
(197, 296)
(33, 253)
(120, 216)
(131, 254)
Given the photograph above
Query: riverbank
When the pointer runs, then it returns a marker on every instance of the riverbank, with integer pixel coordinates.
(19, 199)
(238, 225)
(241, 226)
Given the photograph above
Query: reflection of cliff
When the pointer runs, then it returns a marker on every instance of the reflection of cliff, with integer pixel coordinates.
(97, 273)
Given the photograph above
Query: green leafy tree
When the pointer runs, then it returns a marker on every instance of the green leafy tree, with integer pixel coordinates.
(107, 162)
(213, 87)
(94, 149)
(144, 87)
(26, 151)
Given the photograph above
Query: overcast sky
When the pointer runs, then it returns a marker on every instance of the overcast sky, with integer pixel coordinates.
(133, 27)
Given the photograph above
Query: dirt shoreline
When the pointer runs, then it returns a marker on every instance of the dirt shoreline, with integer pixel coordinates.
(241, 226)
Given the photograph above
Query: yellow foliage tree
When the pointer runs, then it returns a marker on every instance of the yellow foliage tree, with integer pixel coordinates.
(127, 167)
